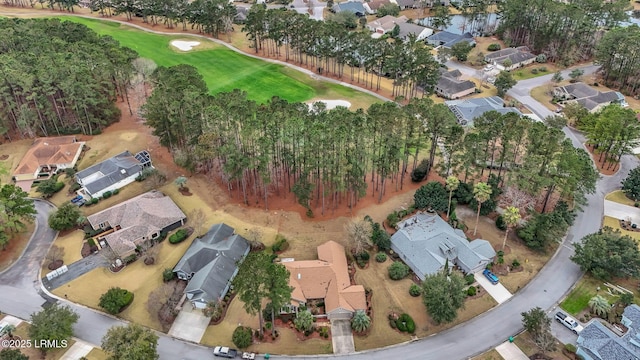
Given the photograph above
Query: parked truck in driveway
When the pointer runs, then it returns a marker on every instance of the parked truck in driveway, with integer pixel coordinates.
(569, 322)
(223, 351)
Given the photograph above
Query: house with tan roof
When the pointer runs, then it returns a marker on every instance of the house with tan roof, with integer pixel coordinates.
(46, 157)
(385, 24)
(137, 220)
(326, 279)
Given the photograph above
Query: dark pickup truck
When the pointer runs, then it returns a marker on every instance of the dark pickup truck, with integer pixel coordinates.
(225, 352)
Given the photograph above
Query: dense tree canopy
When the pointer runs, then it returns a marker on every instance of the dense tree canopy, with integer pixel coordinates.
(565, 31)
(608, 254)
(16, 209)
(53, 322)
(631, 184)
(65, 218)
(442, 295)
(617, 54)
(76, 94)
(132, 342)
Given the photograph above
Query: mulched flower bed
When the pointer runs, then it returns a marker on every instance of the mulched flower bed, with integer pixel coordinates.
(185, 191)
(54, 265)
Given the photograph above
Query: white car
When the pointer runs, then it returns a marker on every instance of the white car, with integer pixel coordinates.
(569, 322)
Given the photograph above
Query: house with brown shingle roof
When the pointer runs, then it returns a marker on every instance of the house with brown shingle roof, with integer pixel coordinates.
(47, 156)
(326, 279)
(137, 220)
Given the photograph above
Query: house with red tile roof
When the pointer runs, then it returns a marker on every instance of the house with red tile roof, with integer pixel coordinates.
(326, 279)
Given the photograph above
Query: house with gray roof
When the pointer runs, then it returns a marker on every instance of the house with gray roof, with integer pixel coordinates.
(406, 4)
(355, 7)
(130, 223)
(113, 173)
(518, 57)
(598, 342)
(447, 39)
(211, 263)
(420, 32)
(451, 86)
(467, 110)
(425, 242)
(591, 99)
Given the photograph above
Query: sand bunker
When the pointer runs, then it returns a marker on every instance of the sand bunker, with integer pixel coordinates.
(331, 104)
(184, 45)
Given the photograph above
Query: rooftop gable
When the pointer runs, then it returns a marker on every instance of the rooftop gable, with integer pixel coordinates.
(49, 151)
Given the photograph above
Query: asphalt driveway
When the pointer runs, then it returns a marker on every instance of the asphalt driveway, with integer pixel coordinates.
(76, 270)
(620, 211)
(342, 337)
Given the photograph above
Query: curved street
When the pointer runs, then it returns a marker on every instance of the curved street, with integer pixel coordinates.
(21, 292)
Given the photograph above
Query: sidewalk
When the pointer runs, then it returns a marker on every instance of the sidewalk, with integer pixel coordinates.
(510, 351)
(78, 350)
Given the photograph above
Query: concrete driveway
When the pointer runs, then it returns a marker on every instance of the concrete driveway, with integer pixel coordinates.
(190, 324)
(497, 291)
(620, 211)
(342, 337)
(510, 351)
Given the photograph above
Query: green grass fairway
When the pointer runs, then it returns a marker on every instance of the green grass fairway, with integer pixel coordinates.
(224, 69)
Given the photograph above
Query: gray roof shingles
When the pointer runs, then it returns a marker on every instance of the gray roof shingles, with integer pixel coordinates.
(425, 241)
(355, 7)
(601, 343)
(212, 259)
(112, 170)
(467, 110)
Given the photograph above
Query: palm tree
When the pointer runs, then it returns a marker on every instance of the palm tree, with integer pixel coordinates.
(482, 193)
(8, 330)
(451, 183)
(599, 305)
(511, 218)
(360, 321)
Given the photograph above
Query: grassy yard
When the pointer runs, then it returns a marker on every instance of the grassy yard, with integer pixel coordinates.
(579, 297)
(14, 151)
(97, 354)
(619, 197)
(526, 344)
(489, 355)
(615, 224)
(72, 245)
(222, 69)
(540, 93)
(527, 72)
(23, 331)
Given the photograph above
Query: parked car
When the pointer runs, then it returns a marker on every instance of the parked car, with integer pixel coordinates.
(248, 355)
(490, 276)
(224, 351)
(569, 322)
(77, 198)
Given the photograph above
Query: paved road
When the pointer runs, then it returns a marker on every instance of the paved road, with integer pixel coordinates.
(20, 292)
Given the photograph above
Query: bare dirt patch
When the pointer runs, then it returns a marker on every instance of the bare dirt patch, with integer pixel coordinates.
(604, 167)
(16, 246)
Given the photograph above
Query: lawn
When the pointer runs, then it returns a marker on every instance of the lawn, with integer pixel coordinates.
(72, 245)
(615, 224)
(619, 197)
(97, 354)
(14, 151)
(579, 297)
(526, 344)
(222, 69)
(540, 93)
(527, 72)
(489, 355)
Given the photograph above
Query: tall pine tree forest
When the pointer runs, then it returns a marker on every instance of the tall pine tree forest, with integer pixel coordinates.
(59, 77)
(329, 158)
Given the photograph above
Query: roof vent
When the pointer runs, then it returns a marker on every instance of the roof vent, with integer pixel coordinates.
(299, 276)
(123, 171)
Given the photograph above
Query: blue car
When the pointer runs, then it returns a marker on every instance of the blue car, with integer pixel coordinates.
(490, 276)
(76, 199)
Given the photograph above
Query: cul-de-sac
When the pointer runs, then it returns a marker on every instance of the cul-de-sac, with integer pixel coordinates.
(320, 179)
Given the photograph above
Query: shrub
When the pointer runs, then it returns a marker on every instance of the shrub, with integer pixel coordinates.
(415, 290)
(570, 348)
(363, 256)
(91, 242)
(106, 194)
(464, 193)
(469, 279)
(433, 196)
(392, 219)
(281, 244)
(131, 258)
(393, 324)
(493, 47)
(471, 290)
(115, 192)
(534, 71)
(500, 224)
(324, 332)
(115, 300)
(242, 337)
(542, 69)
(420, 172)
(406, 324)
(168, 275)
(542, 58)
(65, 218)
(380, 238)
(178, 237)
(515, 263)
(398, 270)
(94, 200)
(49, 187)
(381, 257)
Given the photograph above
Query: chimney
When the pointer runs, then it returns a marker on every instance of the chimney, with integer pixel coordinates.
(299, 276)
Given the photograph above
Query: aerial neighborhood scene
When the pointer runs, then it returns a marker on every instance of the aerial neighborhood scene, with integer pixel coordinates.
(286, 179)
